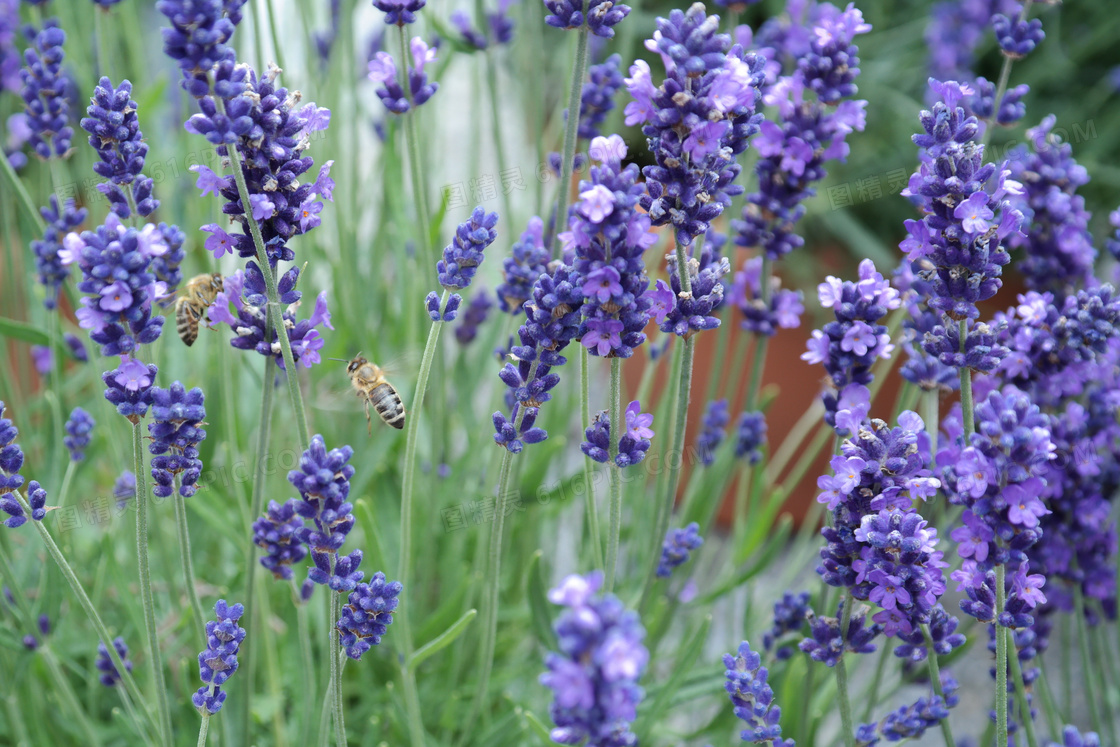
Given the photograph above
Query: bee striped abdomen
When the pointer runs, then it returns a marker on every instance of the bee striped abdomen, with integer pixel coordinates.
(388, 405)
(186, 321)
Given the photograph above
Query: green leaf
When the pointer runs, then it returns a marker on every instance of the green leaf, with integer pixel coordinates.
(26, 333)
(538, 604)
(660, 696)
(437, 219)
(442, 640)
(537, 727)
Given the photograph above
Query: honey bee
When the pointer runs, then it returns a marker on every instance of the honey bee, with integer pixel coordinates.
(198, 294)
(370, 384)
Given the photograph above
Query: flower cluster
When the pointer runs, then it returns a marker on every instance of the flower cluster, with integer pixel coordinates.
(277, 533)
(1071, 737)
(110, 676)
(685, 312)
(848, 346)
(199, 41)
(601, 15)
(790, 614)
(11, 460)
(59, 222)
(809, 131)
(477, 311)
(117, 276)
(912, 721)
(750, 436)
(528, 260)
(1058, 250)
(124, 489)
(383, 70)
(552, 321)
(879, 545)
(713, 428)
(967, 207)
(399, 12)
(606, 238)
(922, 369)
(367, 615)
(270, 136)
(677, 548)
(997, 476)
(827, 643)
(753, 697)
(176, 431)
(597, 96)
(956, 29)
(129, 387)
(78, 428)
(219, 660)
(632, 445)
(763, 313)
(594, 677)
(697, 121)
(114, 132)
(462, 257)
(982, 103)
(1017, 38)
(245, 292)
(323, 482)
(44, 93)
(942, 631)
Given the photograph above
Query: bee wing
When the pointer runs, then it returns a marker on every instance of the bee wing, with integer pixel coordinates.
(336, 395)
(403, 366)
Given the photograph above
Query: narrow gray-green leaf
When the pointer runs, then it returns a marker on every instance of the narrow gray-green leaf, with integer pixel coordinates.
(442, 640)
(538, 604)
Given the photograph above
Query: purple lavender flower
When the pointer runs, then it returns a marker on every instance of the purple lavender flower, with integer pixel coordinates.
(218, 661)
(982, 103)
(78, 428)
(955, 31)
(606, 238)
(528, 260)
(399, 12)
(42, 357)
(1058, 250)
(367, 615)
(52, 271)
(750, 436)
(602, 15)
(116, 276)
(501, 25)
(790, 614)
(826, 644)
(594, 677)
(713, 427)
(850, 345)
(383, 70)
(245, 292)
(463, 255)
(597, 96)
(753, 697)
(783, 310)
(44, 87)
(199, 38)
(110, 676)
(685, 314)
(176, 431)
(1071, 737)
(77, 347)
(129, 387)
(323, 482)
(477, 311)
(552, 321)
(697, 121)
(632, 445)
(1017, 38)
(677, 548)
(11, 460)
(912, 721)
(967, 216)
(276, 532)
(807, 134)
(10, 60)
(114, 132)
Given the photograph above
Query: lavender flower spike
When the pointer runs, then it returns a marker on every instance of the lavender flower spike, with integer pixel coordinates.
(676, 550)
(753, 698)
(219, 660)
(78, 429)
(44, 86)
(601, 15)
(367, 615)
(11, 460)
(48, 261)
(114, 132)
(110, 676)
(594, 677)
(277, 533)
(176, 431)
(323, 481)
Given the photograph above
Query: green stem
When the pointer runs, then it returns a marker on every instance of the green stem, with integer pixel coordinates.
(24, 196)
(873, 694)
(54, 395)
(264, 431)
(334, 649)
(1025, 719)
(571, 130)
(967, 405)
(1001, 652)
(273, 294)
(1001, 86)
(91, 613)
(415, 722)
(935, 680)
(203, 728)
(1086, 659)
(412, 145)
(308, 670)
(496, 127)
(146, 598)
(276, 46)
(185, 556)
(593, 530)
(613, 471)
(846, 722)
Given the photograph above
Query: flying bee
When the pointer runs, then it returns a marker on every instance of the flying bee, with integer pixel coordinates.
(198, 294)
(370, 384)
